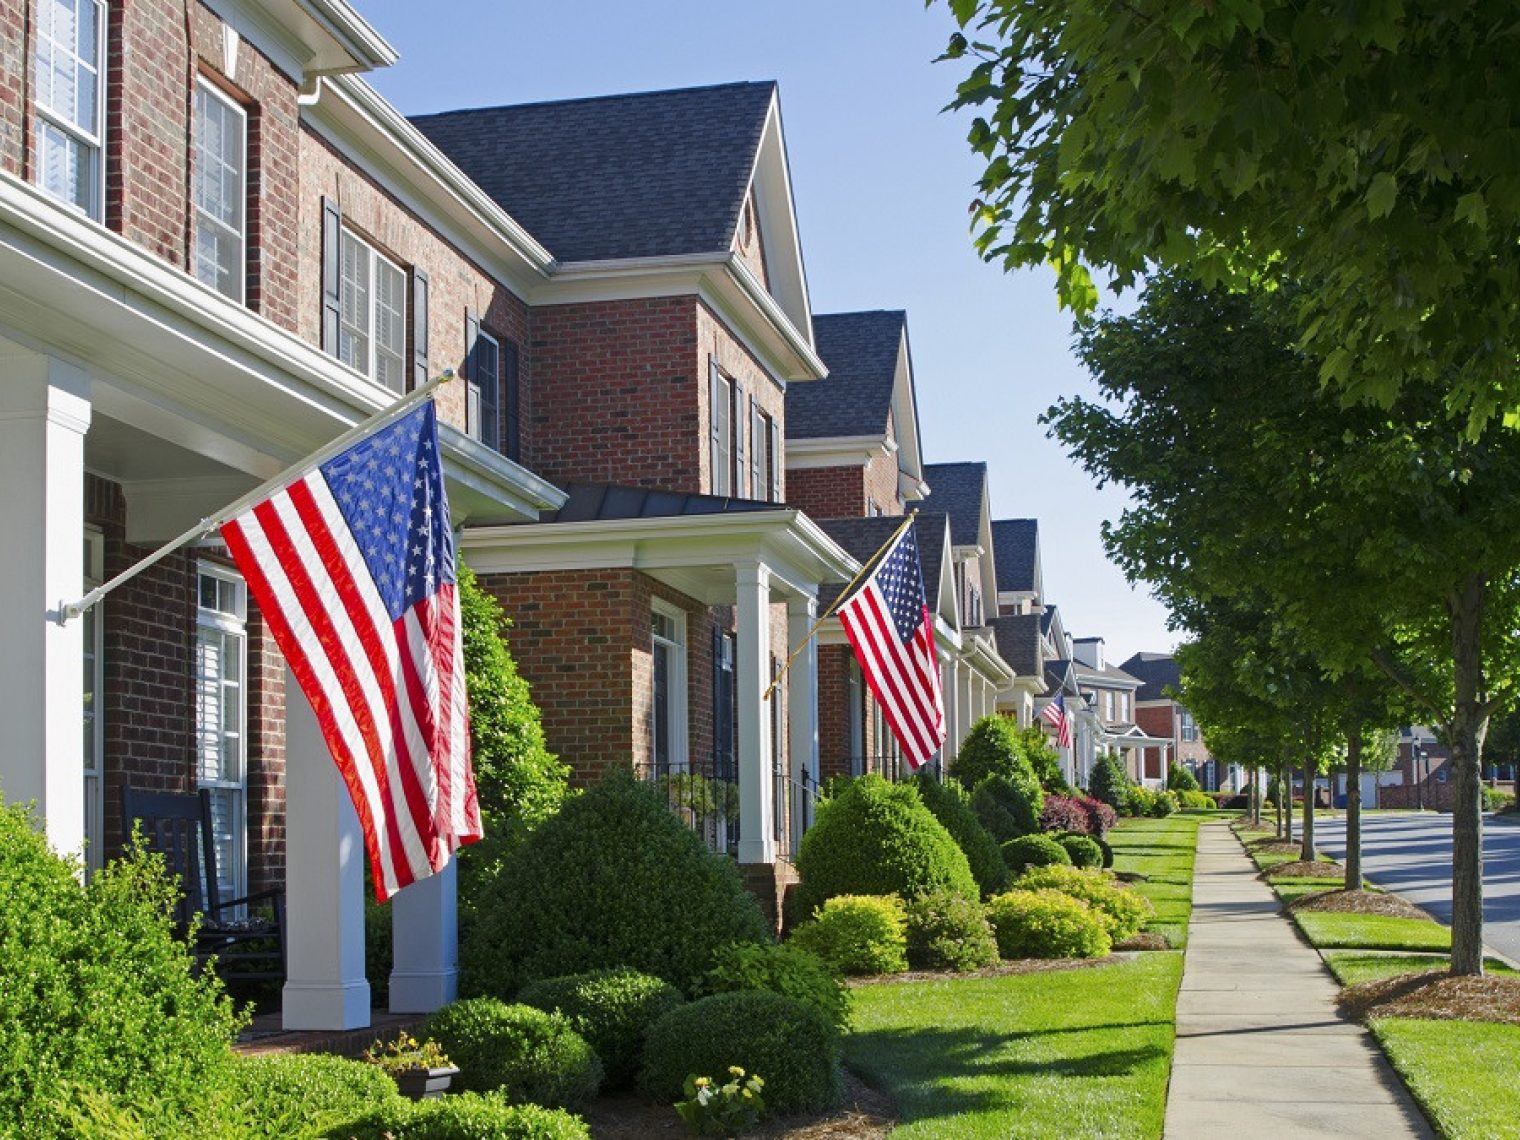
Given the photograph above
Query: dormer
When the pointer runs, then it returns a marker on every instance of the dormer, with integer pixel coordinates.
(1016, 553)
(1089, 651)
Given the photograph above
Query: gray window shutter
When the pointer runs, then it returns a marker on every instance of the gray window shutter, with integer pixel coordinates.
(756, 452)
(741, 472)
(774, 431)
(332, 278)
(419, 328)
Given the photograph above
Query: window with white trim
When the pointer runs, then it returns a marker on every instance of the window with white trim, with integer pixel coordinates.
(220, 191)
(720, 412)
(372, 313)
(70, 103)
(1189, 727)
(221, 715)
(667, 728)
(94, 693)
(483, 389)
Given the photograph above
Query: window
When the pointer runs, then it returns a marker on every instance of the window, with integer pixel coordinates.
(372, 313)
(220, 191)
(1108, 705)
(766, 478)
(1189, 727)
(740, 481)
(855, 701)
(94, 692)
(482, 414)
(720, 407)
(71, 102)
(220, 714)
(667, 627)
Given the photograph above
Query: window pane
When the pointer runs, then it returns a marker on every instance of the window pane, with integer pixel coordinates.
(65, 166)
(390, 325)
(486, 376)
(353, 339)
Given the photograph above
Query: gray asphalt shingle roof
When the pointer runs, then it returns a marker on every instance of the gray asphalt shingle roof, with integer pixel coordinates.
(1018, 642)
(861, 351)
(958, 490)
(863, 537)
(1015, 552)
(620, 176)
(1157, 671)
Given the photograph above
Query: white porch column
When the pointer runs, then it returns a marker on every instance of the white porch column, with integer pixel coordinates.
(949, 680)
(44, 414)
(802, 698)
(425, 941)
(752, 646)
(964, 716)
(325, 986)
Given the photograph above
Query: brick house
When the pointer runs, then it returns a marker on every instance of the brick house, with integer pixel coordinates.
(1110, 692)
(1159, 714)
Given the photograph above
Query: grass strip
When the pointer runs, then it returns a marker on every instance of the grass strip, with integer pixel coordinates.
(1463, 1073)
(1164, 851)
(1328, 930)
(1082, 1052)
(1351, 967)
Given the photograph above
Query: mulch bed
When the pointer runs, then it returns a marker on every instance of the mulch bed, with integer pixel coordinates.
(865, 1114)
(1435, 995)
(1304, 869)
(1277, 846)
(1143, 941)
(1359, 902)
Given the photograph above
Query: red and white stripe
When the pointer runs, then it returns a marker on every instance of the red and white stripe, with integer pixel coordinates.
(389, 696)
(904, 676)
(1056, 715)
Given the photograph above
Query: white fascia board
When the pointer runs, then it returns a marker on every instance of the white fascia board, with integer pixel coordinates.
(966, 553)
(978, 652)
(161, 343)
(305, 39)
(1034, 685)
(777, 208)
(364, 44)
(834, 451)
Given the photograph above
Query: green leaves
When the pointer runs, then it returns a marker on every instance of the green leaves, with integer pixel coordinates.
(1381, 193)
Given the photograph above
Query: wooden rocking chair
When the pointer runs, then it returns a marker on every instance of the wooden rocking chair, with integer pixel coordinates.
(178, 827)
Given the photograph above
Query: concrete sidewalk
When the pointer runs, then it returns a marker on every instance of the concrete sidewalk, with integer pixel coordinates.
(1261, 1049)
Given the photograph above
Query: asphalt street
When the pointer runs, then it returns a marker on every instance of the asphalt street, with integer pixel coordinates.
(1410, 853)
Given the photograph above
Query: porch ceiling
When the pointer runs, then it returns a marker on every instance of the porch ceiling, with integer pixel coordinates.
(126, 454)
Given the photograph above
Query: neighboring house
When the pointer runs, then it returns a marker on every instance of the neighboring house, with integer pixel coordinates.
(1020, 594)
(1111, 692)
(1160, 715)
(1421, 775)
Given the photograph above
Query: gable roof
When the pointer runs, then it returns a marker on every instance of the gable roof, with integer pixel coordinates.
(653, 174)
(959, 490)
(1157, 671)
(862, 537)
(931, 545)
(861, 351)
(1018, 642)
(1108, 676)
(1016, 553)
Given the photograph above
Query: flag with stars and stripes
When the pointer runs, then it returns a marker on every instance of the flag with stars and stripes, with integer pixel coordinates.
(887, 621)
(352, 565)
(1056, 716)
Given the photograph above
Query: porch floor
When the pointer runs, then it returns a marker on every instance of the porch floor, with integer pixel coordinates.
(265, 1035)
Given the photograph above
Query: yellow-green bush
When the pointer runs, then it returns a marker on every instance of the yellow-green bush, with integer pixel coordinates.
(858, 934)
(1123, 910)
(1046, 924)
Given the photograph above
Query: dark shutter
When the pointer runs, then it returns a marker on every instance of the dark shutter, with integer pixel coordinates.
(471, 393)
(513, 437)
(741, 472)
(332, 274)
(756, 452)
(419, 328)
(774, 433)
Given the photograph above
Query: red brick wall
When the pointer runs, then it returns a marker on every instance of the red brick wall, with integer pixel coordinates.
(748, 242)
(1155, 720)
(14, 50)
(828, 492)
(833, 711)
(266, 756)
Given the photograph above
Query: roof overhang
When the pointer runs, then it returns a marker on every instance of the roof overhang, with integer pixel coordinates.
(979, 650)
(1133, 738)
(836, 451)
(308, 38)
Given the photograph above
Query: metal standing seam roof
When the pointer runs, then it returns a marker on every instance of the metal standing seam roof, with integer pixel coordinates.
(861, 351)
(652, 174)
(959, 490)
(1015, 552)
(602, 502)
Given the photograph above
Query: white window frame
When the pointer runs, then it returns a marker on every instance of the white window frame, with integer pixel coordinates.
(94, 774)
(233, 624)
(348, 331)
(722, 458)
(239, 275)
(46, 117)
(476, 404)
(676, 685)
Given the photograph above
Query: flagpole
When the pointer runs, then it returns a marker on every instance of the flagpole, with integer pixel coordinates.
(380, 419)
(834, 605)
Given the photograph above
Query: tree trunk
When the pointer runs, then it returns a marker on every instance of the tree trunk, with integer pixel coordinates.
(1311, 770)
(1354, 810)
(1465, 734)
(1286, 777)
(1253, 797)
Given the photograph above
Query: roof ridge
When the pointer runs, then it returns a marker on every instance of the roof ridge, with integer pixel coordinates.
(607, 98)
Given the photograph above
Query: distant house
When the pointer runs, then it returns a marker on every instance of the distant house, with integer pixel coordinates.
(1110, 691)
(1159, 714)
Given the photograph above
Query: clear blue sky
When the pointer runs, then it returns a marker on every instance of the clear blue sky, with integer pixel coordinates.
(882, 181)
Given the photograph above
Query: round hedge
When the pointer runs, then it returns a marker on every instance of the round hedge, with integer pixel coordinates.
(522, 1053)
(467, 1116)
(951, 805)
(611, 1009)
(1106, 848)
(1122, 910)
(858, 934)
(1007, 808)
(878, 838)
(1082, 850)
(787, 1043)
(1034, 851)
(1046, 924)
(948, 932)
(299, 1096)
(613, 880)
(782, 969)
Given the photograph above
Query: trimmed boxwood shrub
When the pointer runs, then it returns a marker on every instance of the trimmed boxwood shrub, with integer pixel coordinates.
(1179, 779)
(858, 934)
(521, 1052)
(1082, 849)
(466, 1116)
(1109, 782)
(1123, 911)
(1006, 808)
(611, 1009)
(951, 805)
(614, 880)
(784, 969)
(99, 996)
(1046, 924)
(295, 1096)
(948, 932)
(1033, 851)
(995, 746)
(787, 1043)
(876, 838)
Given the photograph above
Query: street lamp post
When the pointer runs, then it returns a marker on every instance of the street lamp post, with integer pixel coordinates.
(1417, 754)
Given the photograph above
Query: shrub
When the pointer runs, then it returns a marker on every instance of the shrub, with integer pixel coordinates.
(1046, 924)
(1179, 779)
(1196, 801)
(948, 932)
(1100, 817)
(1122, 910)
(877, 838)
(1006, 808)
(995, 746)
(296, 1096)
(1163, 805)
(1109, 782)
(951, 805)
(1083, 851)
(787, 1043)
(1064, 813)
(613, 880)
(788, 970)
(467, 1116)
(1494, 799)
(98, 996)
(1141, 802)
(857, 934)
(1033, 851)
(521, 1052)
(1106, 849)
(611, 1009)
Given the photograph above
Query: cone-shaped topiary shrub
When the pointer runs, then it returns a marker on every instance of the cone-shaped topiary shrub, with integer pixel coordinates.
(1034, 851)
(996, 746)
(877, 838)
(614, 880)
(1109, 782)
(951, 805)
(611, 1009)
(524, 1054)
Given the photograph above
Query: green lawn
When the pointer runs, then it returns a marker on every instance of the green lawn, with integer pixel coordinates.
(1463, 1073)
(1350, 967)
(1290, 889)
(1164, 851)
(1062, 1053)
(1328, 930)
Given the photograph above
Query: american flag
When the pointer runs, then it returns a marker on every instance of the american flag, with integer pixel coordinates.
(1055, 713)
(353, 568)
(888, 623)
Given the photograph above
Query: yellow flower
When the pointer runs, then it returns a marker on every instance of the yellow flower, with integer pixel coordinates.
(703, 1082)
(736, 1071)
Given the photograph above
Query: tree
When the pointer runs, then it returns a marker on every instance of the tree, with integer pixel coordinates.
(1377, 537)
(1366, 152)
